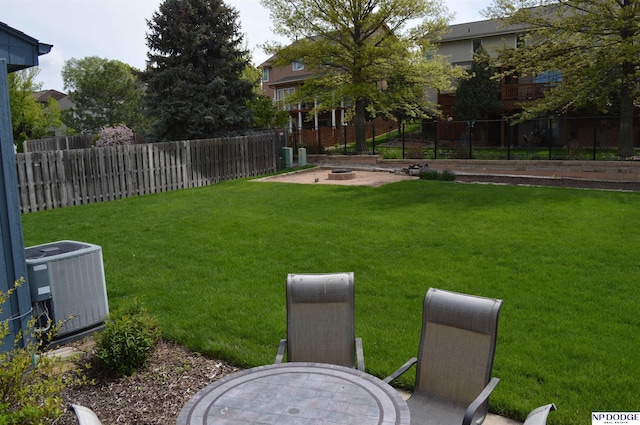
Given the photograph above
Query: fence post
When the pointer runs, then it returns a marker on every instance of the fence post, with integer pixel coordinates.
(344, 127)
(509, 142)
(373, 138)
(435, 141)
(595, 139)
(399, 129)
(549, 136)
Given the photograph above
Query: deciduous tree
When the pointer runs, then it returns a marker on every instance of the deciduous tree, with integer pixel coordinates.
(594, 45)
(30, 119)
(105, 92)
(364, 52)
(194, 75)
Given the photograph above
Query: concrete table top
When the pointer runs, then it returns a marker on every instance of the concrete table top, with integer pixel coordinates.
(297, 393)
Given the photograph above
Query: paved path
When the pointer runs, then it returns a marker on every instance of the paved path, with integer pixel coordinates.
(490, 420)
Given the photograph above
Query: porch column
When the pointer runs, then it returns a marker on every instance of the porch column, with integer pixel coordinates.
(315, 113)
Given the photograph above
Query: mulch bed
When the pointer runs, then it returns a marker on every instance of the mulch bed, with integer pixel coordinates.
(153, 396)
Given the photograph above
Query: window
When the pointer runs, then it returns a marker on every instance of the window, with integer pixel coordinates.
(297, 66)
(549, 77)
(265, 74)
(477, 43)
(281, 94)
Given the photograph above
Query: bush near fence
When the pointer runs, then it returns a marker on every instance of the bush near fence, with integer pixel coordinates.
(61, 178)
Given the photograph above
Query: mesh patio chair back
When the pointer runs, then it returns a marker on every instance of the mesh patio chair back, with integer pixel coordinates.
(457, 346)
(321, 318)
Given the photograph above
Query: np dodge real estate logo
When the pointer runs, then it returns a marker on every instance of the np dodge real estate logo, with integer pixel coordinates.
(615, 418)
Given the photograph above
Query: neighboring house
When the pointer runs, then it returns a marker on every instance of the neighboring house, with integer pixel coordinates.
(279, 81)
(64, 103)
(463, 40)
(459, 46)
(322, 129)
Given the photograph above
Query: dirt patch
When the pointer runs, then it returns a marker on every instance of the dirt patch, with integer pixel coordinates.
(380, 177)
(321, 176)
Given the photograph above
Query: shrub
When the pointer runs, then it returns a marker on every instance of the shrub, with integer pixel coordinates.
(30, 384)
(127, 340)
(444, 175)
(117, 135)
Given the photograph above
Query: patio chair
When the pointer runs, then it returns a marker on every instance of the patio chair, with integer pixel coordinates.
(455, 358)
(85, 415)
(539, 416)
(321, 320)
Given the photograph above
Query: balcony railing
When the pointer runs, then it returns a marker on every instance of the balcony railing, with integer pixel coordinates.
(524, 91)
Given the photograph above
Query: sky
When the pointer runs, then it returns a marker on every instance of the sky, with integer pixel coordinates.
(116, 29)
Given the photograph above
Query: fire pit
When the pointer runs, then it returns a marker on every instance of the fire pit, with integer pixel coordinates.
(342, 174)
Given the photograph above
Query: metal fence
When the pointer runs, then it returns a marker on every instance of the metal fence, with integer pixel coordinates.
(569, 138)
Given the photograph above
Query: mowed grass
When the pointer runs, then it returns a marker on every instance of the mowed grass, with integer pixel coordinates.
(211, 264)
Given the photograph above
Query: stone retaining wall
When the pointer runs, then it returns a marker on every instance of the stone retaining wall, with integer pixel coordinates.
(596, 170)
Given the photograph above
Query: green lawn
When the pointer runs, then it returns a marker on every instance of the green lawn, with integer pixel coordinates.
(211, 264)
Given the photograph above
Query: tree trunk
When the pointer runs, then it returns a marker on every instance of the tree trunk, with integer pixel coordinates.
(625, 142)
(627, 33)
(361, 134)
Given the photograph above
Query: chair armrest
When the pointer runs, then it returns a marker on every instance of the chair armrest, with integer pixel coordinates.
(539, 416)
(84, 415)
(281, 347)
(359, 354)
(401, 370)
(479, 401)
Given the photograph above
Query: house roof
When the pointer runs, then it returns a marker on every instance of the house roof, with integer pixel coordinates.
(43, 96)
(20, 50)
(478, 29)
(291, 79)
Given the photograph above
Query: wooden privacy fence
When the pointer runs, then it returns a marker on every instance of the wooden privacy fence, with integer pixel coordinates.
(79, 141)
(55, 179)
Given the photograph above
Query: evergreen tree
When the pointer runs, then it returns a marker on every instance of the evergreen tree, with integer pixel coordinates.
(194, 76)
(478, 97)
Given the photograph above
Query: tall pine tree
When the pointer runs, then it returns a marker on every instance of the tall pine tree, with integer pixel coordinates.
(194, 71)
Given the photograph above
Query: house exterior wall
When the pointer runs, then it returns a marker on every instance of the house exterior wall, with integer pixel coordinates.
(460, 52)
(457, 51)
(280, 77)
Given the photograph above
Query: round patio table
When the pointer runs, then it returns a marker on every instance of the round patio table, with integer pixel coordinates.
(296, 393)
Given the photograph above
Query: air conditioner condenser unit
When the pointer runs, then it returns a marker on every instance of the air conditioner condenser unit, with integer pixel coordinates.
(67, 284)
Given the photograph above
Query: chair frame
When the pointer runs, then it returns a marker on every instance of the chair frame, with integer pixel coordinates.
(539, 415)
(85, 415)
(492, 310)
(314, 288)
